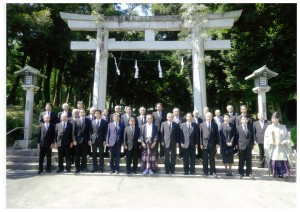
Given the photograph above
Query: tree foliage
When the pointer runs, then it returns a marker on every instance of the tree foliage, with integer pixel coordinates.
(265, 34)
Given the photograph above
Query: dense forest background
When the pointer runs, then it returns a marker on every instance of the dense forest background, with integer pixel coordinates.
(265, 34)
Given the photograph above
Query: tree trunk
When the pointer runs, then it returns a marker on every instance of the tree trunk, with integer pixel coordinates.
(11, 99)
(57, 97)
(47, 80)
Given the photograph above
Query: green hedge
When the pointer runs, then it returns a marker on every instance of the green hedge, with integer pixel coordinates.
(11, 123)
(294, 135)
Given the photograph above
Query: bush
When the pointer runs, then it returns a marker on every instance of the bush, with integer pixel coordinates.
(11, 123)
(294, 135)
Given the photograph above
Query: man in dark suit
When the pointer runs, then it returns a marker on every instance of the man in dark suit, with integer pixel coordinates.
(64, 141)
(46, 133)
(170, 134)
(114, 140)
(131, 136)
(98, 132)
(82, 137)
(141, 119)
(243, 113)
(117, 110)
(259, 128)
(159, 117)
(148, 138)
(105, 115)
(91, 117)
(197, 120)
(244, 139)
(232, 114)
(209, 141)
(72, 120)
(189, 134)
(53, 116)
(65, 108)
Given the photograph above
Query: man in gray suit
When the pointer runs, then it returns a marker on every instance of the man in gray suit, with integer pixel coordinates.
(244, 139)
(259, 128)
(114, 140)
(64, 141)
(209, 141)
(46, 133)
(131, 136)
(189, 135)
(98, 131)
(170, 136)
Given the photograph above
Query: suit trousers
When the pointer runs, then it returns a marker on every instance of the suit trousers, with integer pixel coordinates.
(115, 152)
(209, 155)
(63, 151)
(95, 147)
(189, 159)
(45, 151)
(81, 151)
(159, 145)
(132, 158)
(170, 159)
(245, 155)
(261, 155)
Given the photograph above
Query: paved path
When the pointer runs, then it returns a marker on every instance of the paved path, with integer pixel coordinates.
(27, 190)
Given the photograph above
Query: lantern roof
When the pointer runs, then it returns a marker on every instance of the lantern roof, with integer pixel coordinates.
(257, 73)
(28, 69)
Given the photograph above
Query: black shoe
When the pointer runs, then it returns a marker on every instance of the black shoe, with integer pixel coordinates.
(48, 171)
(167, 172)
(84, 170)
(59, 170)
(185, 173)
(128, 172)
(111, 172)
(93, 171)
(204, 175)
(39, 172)
(192, 173)
(100, 171)
(77, 171)
(68, 170)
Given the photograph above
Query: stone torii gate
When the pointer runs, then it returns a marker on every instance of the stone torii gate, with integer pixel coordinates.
(150, 25)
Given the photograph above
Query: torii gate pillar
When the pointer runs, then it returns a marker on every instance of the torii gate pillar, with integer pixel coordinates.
(100, 77)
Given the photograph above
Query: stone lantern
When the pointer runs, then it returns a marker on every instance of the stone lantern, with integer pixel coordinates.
(30, 85)
(261, 77)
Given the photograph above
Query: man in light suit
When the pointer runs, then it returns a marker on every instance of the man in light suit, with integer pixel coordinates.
(259, 128)
(46, 133)
(209, 141)
(117, 110)
(114, 140)
(170, 135)
(125, 117)
(82, 137)
(131, 137)
(105, 115)
(98, 132)
(197, 120)
(53, 115)
(148, 138)
(245, 143)
(142, 117)
(64, 141)
(189, 134)
(65, 108)
(159, 117)
(218, 119)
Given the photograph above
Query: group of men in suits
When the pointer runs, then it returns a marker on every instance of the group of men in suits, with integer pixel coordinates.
(145, 137)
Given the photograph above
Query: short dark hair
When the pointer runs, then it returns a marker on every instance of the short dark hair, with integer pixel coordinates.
(99, 111)
(226, 114)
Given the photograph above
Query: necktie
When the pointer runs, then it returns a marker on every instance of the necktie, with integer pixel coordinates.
(98, 123)
(189, 126)
(208, 126)
(46, 126)
(64, 126)
(245, 129)
(142, 119)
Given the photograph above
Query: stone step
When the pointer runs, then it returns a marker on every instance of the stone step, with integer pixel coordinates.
(19, 166)
(35, 152)
(35, 159)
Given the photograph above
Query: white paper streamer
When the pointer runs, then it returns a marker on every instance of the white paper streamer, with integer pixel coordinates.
(160, 71)
(136, 74)
(117, 69)
(182, 64)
